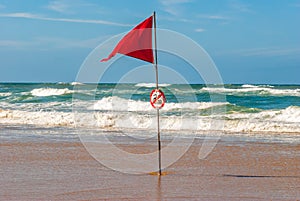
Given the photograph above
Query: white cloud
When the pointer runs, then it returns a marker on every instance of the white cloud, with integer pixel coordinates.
(214, 17)
(58, 6)
(19, 15)
(70, 43)
(241, 7)
(172, 19)
(38, 17)
(173, 7)
(171, 10)
(13, 43)
(50, 43)
(200, 30)
(72, 6)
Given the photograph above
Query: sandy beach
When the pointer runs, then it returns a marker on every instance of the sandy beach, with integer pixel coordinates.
(43, 157)
(62, 170)
(91, 90)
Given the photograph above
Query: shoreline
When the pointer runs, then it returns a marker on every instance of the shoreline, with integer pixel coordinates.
(23, 131)
(234, 170)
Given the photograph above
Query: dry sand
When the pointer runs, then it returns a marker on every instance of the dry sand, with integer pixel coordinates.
(50, 170)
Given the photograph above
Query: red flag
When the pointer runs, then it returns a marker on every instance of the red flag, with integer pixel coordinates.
(137, 43)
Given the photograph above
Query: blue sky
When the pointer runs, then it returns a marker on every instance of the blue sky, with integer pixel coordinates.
(250, 41)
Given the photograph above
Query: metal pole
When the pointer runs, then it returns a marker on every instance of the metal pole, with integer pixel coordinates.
(156, 76)
(155, 49)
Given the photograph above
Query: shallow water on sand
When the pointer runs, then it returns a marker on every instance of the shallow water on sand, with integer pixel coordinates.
(40, 166)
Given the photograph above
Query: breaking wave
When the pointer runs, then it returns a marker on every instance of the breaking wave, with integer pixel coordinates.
(248, 90)
(255, 86)
(76, 83)
(5, 94)
(249, 86)
(138, 115)
(119, 104)
(50, 92)
(250, 108)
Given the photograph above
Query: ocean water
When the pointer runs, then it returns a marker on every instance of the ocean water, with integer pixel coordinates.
(249, 109)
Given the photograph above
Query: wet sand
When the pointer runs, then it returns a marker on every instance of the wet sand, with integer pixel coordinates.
(49, 170)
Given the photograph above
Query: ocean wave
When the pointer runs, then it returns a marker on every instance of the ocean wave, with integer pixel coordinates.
(255, 86)
(249, 86)
(70, 83)
(271, 121)
(5, 94)
(254, 90)
(119, 104)
(50, 92)
(278, 121)
(39, 118)
(76, 83)
(290, 114)
(54, 106)
(151, 85)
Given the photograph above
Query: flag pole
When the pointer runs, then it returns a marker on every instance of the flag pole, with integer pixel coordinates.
(156, 78)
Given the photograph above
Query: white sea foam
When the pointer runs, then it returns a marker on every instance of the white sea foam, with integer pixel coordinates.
(249, 86)
(254, 89)
(271, 121)
(4, 94)
(151, 85)
(119, 104)
(50, 92)
(36, 118)
(281, 121)
(229, 90)
(290, 114)
(76, 83)
(48, 106)
(114, 112)
(256, 86)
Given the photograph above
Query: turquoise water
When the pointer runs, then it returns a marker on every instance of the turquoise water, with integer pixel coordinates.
(245, 108)
(255, 96)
